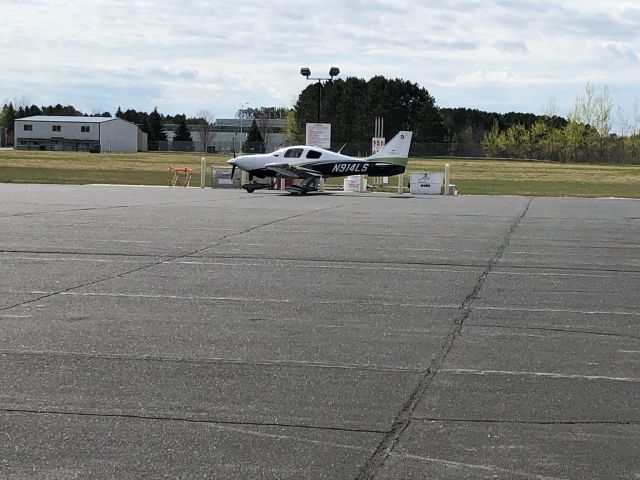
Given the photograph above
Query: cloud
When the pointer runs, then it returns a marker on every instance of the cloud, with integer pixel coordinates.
(183, 56)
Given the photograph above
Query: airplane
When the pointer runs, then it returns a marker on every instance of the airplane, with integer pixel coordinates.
(313, 163)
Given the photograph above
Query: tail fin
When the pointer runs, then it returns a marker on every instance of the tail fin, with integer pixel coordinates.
(397, 148)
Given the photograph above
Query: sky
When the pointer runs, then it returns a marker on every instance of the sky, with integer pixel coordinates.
(185, 56)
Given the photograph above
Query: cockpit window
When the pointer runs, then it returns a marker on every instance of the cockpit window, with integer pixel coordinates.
(293, 153)
(314, 154)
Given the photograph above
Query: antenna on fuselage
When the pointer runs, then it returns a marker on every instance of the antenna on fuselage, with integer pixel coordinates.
(340, 151)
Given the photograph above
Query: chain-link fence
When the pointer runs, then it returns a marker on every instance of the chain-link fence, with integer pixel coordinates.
(197, 146)
(610, 151)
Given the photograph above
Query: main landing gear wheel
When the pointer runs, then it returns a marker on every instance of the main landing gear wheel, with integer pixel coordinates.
(252, 187)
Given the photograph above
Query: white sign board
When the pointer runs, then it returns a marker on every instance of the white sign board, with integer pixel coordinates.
(319, 135)
(355, 183)
(222, 176)
(426, 183)
(377, 143)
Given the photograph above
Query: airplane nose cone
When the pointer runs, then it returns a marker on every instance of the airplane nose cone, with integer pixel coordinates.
(232, 162)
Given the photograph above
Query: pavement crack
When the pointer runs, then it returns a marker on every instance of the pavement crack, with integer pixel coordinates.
(70, 210)
(375, 463)
(185, 419)
(167, 259)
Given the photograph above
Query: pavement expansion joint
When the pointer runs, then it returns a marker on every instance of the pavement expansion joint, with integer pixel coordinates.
(556, 375)
(526, 422)
(166, 260)
(558, 330)
(186, 419)
(557, 310)
(506, 473)
(376, 462)
(206, 361)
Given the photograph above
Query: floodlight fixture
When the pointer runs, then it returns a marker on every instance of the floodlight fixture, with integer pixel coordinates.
(306, 72)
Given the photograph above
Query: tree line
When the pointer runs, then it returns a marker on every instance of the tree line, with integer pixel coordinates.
(353, 104)
(585, 136)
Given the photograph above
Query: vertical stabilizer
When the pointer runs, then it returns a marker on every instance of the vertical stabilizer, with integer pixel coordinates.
(398, 147)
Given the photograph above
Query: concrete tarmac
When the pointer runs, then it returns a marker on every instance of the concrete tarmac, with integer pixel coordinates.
(187, 333)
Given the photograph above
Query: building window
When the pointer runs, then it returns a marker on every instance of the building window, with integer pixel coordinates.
(56, 128)
(28, 128)
(85, 128)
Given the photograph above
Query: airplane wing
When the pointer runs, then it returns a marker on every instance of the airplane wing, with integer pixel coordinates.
(287, 170)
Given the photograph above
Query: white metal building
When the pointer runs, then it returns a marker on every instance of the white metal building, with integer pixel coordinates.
(225, 135)
(94, 134)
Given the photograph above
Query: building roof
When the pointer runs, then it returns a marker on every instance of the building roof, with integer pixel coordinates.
(62, 119)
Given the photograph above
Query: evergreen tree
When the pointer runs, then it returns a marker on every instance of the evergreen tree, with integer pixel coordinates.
(119, 113)
(254, 142)
(7, 118)
(352, 105)
(156, 127)
(144, 126)
(183, 134)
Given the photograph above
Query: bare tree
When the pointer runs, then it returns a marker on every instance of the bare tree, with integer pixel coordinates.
(550, 109)
(593, 109)
(263, 125)
(263, 117)
(206, 126)
(635, 117)
(622, 119)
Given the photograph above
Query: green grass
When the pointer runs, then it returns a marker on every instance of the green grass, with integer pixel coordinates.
(477, 177)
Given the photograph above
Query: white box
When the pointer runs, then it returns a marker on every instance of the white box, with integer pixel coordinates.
(426, 183)
(355, 183)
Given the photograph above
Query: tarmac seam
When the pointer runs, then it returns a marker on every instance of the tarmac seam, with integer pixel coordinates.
(168, 258)
(108, 207)
(475, 466)
(320, 302)
(558, 330)
(502, 265)
(528, 422)
(555, 310)
(554, 375)
(184, 419)
(71, 210)
(374, 464)
(206, 361)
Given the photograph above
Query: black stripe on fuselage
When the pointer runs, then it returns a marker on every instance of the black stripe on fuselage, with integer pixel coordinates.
(344, 168)
(341, 169)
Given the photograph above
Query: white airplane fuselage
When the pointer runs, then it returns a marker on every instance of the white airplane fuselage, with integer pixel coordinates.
(304, 161)
(329, 164)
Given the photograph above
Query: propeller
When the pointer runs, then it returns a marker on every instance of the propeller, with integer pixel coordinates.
(233, 167)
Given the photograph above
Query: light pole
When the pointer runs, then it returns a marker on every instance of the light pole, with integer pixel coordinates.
(333, 72)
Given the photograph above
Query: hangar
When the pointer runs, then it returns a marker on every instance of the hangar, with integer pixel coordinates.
(87, 134)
